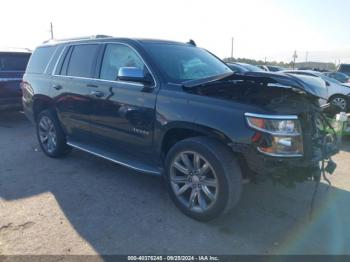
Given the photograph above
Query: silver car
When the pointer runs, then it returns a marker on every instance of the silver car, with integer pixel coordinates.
(338, 93)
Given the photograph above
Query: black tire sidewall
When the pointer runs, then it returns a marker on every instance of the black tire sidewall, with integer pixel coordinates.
(210, 155)
(61, 144)
(342, 97)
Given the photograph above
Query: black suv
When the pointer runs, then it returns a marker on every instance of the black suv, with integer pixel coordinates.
(12, 66)
(172, 109)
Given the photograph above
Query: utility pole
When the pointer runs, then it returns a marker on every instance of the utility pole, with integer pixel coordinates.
(306, 56)
(295, 56)
(265, 60)
(51, 30)
(232, 49)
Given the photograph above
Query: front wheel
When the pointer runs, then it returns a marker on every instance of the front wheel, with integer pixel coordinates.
(203, 178)
(51, 138)
(340, 101)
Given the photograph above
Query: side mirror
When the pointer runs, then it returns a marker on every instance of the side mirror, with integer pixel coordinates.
(133, 74)
(327, 83)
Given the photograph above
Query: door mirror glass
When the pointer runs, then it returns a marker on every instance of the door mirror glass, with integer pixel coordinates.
(133, 74)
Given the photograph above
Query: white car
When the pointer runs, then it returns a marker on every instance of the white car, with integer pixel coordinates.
(338, 93)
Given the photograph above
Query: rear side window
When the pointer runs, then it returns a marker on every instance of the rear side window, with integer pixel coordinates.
(82, 60)
(40, 59)
(13, 61)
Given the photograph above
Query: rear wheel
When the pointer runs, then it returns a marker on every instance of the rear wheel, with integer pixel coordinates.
(203, 178)
(51, 138)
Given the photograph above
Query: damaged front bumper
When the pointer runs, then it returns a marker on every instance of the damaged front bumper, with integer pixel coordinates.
(317, 147)
(287, 170)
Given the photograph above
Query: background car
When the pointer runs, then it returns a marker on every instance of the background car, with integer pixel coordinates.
(243, 67)
(338, 93)
(12, 66)
(341, 77)
(344, 68)
(272, 68)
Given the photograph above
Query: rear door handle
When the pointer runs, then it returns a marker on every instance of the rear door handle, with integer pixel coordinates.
(57, 87)
(97, 93)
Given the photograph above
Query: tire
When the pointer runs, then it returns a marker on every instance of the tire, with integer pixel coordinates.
(340, 101)
(51, 138)
(217, 166)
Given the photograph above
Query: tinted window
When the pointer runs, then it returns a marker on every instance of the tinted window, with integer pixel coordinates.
(82, 60)
(180, 63)
(117, 56)
(340, 76)
(13, 61)
(40, 59)
(345, 68)
(66, 56)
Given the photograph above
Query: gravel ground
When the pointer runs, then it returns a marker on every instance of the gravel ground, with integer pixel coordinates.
(84, 205)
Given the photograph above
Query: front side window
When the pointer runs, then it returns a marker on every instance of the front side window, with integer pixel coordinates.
(117, 56)
(182, 63)
(82, 60)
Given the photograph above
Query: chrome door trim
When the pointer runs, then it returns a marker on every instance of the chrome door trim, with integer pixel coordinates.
(112, 160)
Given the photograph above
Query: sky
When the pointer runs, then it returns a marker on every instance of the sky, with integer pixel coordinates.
(260, 28)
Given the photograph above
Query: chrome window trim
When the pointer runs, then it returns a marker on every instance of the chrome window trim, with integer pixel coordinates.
(99, 79)
(112, 160)
(52, 56)
(57, 61)
(278, 117)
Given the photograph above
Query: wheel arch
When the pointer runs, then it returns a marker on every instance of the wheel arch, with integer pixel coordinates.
(182, 130)
(40, 103)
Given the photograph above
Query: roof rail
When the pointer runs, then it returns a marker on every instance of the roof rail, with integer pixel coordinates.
(76, 38)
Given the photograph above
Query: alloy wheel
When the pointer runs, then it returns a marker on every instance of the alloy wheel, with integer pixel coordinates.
(194, 181)
(340, 102)
(47, 134)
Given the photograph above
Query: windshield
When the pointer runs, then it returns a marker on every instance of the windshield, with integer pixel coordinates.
(331, 80)
(182, 63)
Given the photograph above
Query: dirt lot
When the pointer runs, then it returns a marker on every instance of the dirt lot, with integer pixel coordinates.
(84, 205)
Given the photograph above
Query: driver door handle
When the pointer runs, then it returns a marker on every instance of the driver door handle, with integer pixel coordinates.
(97, 93)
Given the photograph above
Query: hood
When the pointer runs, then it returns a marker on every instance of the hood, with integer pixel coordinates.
(311, 85)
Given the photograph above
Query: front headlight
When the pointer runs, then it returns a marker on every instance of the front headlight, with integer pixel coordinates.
(277, 135)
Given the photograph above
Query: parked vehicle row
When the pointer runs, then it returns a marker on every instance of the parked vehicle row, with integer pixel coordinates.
(243, 67)
(338, 94)
(175, 110)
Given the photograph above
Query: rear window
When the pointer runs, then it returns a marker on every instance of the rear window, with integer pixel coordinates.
(82, 60)
(39, 60)
(13, 61)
